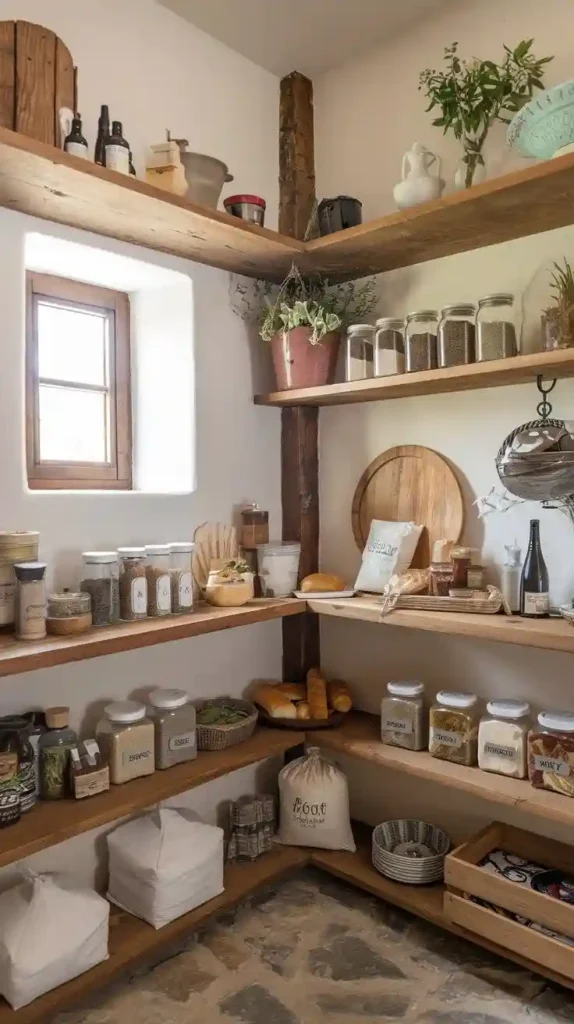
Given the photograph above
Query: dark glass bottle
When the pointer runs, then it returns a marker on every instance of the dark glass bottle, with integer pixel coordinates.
(534, 597)
(117, 150)
(132, 167)
(103, 134)
(75, 143)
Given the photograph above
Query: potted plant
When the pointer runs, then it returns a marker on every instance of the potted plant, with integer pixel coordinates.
(558, 318)
(473, 94)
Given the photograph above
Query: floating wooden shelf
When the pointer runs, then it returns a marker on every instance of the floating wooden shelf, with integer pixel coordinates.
(492, 374)
(18, 656)
(553, 634)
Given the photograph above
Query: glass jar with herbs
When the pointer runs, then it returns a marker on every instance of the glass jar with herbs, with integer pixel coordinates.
(456, 334)
(389, 346)
(503, 738)
(181, 578)
(54, 753)
(420, 340)
(496, 327)
(360, 352)
(402, 716)
(453, 727)
(126, 738)
(174, 722)
(101, 582)
(133, 583)
(157, 566)
(551, 752)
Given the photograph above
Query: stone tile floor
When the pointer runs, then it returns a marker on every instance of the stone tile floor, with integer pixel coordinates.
(316, 951)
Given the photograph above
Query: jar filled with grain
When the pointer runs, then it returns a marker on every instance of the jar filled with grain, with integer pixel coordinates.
(180, 575)
(503, 738)
(101, 582)
(551, 752)
(402, 716)
(456, 333)
(133, 583)
(126, 738)
(174, 722)
(420, 340)
(157, 566)
(496, 327)
(360, 352)
(389, 346)
(453, 727)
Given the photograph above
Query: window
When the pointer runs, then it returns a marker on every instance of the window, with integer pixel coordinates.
(78, 402)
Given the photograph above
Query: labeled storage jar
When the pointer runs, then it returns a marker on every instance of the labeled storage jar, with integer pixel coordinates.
(180, 575)
(30, 600)
(421, 340)
(402, 716)
(133, 583)
(551, 752)
(496, 331)
(389, 346)
(69, 613)
(360, 352)
(158, 558)
(503, 738)
(126, 738)
(456, 333)
(19, 546)
(453, 727)
(174, 723)
(101, 582)
(279, 567)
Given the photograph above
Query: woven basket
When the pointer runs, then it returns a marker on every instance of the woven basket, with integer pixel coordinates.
(218, 737)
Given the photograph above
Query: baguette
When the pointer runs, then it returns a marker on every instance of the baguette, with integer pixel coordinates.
(274, 703)
(293, 691)
(317, 694)
(303, 709)
(324, 582)
(339, 696)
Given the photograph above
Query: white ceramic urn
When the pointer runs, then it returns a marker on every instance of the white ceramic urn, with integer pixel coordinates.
(418, 184)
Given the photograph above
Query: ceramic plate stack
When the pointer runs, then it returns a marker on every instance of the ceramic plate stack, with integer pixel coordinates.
(424, 848)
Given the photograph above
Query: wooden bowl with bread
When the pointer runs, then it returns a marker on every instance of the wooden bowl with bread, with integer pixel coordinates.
(316, 704)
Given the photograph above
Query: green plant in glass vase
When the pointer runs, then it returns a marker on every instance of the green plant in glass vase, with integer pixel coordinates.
(473, 94)
(558, 318)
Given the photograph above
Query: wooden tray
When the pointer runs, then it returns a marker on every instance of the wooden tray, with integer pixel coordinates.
(301, 724)
(410, 484)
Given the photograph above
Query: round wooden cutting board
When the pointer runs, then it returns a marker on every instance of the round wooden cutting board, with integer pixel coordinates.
(410, 484)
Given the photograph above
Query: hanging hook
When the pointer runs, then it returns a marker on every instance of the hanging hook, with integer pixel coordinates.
(544, 408)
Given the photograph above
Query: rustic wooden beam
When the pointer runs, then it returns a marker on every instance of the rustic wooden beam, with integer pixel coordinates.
(296, 155)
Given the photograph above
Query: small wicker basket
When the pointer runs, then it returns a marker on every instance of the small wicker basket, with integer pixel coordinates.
(219, 737)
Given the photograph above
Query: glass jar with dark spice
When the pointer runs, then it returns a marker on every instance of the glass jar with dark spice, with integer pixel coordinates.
(158, 579)
(456, 333)
(101, 582)
(133, 583)
(54, 750)
(453, 728)
(389, 346)
(551, 752)
(420, 340)
(496, 327)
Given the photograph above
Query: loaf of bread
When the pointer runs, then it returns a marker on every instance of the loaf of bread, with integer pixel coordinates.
(303, 709)
(293, 691)
(339, 696)
(273, 702)
(317, 694)
(323, 582)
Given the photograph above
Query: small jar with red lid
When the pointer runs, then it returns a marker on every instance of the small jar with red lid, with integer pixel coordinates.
(251, 208)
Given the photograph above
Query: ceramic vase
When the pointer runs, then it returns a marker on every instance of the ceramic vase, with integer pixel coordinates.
(299, 364)
(421, 180)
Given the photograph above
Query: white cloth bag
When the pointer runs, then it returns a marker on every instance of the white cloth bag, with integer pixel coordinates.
(50, 931)
(314, 804)
(389, 551)
(164, 864)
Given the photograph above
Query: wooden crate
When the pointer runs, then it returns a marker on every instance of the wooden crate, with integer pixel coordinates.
(37, 77)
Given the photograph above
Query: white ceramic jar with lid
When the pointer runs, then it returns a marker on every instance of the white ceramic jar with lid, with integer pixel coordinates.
(126, 738)
(158, 557)
(181, 578)
(402, 713)
(174, 723)
(503, 738)
(453, 727)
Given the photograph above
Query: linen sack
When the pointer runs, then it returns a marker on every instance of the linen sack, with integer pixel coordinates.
(314, 804)
(51, 930)
(389, 550)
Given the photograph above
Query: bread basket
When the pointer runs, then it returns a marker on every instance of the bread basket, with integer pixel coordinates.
(411, 868)
(219, 737)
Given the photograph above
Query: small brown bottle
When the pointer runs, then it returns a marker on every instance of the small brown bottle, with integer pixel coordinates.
(117, 150)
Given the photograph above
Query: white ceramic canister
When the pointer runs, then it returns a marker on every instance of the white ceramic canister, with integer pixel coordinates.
(278, 564)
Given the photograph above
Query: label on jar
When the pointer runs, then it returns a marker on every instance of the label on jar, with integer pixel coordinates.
(78, 149)
(139, 595)
(536, 604)
(551, 764)
(183, 741)
(403, 725)
(163, 593)
(447, 738)
(185, 590)
(132, 757)
(118, 159)
(496, 751)
(7, 592)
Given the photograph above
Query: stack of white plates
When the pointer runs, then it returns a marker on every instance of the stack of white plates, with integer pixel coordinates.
(410, 851)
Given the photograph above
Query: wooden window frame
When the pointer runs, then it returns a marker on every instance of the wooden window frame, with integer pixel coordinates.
(117, 474)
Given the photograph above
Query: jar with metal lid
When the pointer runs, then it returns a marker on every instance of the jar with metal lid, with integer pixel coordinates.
(133, 583)
(456, 334)
(360, 352)
(389, 346)
(69, 613)
(503, 738)
(402, 712)
(30, 600)
(496, 332)
(174, 724)
(157, 566)
(101, 582)
(180, 576)
(453, 727)
(551, 752)
(420, 340)
(126, 739)
(17, 546)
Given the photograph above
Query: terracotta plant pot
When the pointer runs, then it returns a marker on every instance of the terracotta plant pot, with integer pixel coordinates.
(299, 364)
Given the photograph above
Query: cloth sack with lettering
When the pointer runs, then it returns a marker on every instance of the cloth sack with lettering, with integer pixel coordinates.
(164, 864)
(51, 930)
(314, 804)
(389, 550)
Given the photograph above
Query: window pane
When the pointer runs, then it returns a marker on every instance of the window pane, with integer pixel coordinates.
(72, 344)
(72, 425)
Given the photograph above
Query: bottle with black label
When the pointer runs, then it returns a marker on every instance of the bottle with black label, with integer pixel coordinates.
(75, 143)
(534, 596)
(103, 135)
(117, 150)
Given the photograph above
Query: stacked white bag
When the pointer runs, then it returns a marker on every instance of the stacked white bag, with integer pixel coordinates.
(164, 864)
(50, 931)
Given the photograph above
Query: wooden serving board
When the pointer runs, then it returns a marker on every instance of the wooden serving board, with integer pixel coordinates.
(410, 484)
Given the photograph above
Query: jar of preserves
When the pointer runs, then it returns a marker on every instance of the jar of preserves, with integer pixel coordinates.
(126, 738)
(461, 561)
(496, 331)
(157, 562)
(101, 582)
(360, 352)
(133, 583)
(503, 738)
(174, 723)
(181, 577)
(420, 340)
(402, 714)
(456, 332)
(389, 346)
(453, 729)
(551, 752)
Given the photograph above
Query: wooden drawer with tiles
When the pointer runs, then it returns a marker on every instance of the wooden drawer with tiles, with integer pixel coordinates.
(505, 885)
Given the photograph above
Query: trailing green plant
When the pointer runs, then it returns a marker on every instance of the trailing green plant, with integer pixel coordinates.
(561, 313)
(473, 94)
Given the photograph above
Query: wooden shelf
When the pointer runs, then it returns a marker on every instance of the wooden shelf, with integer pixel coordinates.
(19, 656)
(360, 736)
(50, 823)
(553, 634)
(492, 374)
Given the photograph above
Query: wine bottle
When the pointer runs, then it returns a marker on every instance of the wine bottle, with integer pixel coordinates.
(103, 135)
(534, 596)
(117, 150)
(75, 143)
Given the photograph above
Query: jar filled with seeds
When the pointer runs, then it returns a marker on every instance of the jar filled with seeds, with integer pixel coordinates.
(389, 346)
(133, 583)
(158, 557)
(420, 340)
(456, 333)
(180, 576)
(453, 727)
(402, 712)
(101, 582)
(360, 352)
(496, 327)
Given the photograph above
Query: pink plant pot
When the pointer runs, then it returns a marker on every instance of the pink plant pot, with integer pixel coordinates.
(299, 364)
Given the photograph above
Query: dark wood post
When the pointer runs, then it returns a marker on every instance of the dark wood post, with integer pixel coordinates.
(296, 155)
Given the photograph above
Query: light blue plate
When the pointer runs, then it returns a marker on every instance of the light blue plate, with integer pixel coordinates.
(544, 125)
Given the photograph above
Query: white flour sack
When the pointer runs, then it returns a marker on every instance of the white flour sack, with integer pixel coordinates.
(389, 550)
(314, 800)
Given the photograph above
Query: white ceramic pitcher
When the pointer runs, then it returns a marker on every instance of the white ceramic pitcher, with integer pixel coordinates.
(418, 185)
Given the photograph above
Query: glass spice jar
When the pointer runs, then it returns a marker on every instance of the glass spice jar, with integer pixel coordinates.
(181, 554)
(101, 582)
(440, 579)
(456, 333)
(254, 527)
(126, 738)
(496, 327)
(30, 600)
(158, 579)
(54, 753)
(389, 346)
(503, 738)
(360, 352)
(402, 712)
(461, 562)
(133, 583)
(453, 729)
(551, 752)
(174, 722)
(420, 340)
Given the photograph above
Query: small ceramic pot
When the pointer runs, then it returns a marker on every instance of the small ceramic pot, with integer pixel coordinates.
(299, 364)
(229, 593)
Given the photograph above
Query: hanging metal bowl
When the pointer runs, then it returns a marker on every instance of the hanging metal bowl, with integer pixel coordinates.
(536, 461)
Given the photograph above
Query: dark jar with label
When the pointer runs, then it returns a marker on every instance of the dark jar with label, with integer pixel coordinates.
(174, 724)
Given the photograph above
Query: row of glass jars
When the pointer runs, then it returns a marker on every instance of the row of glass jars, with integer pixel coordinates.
(137, 582)
(424, 341)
